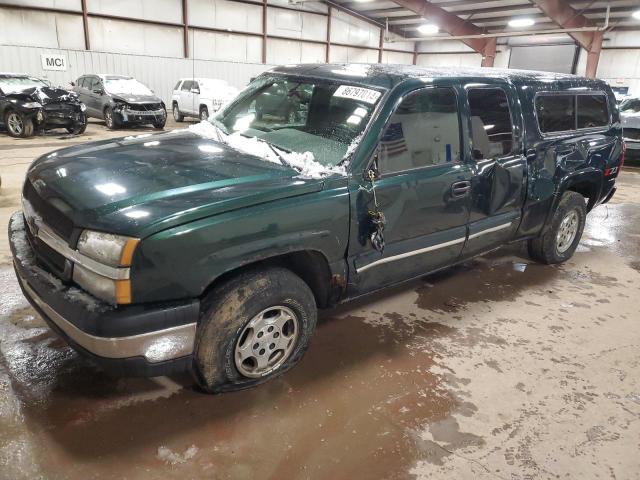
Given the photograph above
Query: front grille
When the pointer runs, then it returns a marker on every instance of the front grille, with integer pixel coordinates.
(53, 217)
(60, 108)
(47, 256)
(145, 106)
(631, 133)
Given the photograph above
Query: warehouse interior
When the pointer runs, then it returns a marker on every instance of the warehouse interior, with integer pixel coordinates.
(497, 366)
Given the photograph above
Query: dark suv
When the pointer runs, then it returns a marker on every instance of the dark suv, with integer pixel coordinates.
(212, 248)
(120, 100)
(29, 104)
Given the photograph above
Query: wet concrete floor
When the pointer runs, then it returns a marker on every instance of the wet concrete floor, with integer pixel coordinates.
(499, 368)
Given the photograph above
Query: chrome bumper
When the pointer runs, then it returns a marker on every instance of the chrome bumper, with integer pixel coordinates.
(156, 346)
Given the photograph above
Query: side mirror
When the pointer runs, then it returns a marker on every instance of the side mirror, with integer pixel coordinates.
(72, 83)
(477, 154)
(98, 91)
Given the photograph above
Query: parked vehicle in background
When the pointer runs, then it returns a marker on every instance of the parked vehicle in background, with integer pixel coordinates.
(630, 116)
(200, 97)
(120, 100)
(212, 248)
(29, 104)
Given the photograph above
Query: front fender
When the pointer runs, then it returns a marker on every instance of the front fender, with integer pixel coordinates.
(181, 262)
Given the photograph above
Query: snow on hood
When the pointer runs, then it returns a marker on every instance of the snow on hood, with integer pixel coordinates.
(303, 162)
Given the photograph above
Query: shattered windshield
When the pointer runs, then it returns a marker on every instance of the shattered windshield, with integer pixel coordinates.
(313, 116)
(126, 86)
(10, 84)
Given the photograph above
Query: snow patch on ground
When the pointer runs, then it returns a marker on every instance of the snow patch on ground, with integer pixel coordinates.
(303, 162)
(172, 458)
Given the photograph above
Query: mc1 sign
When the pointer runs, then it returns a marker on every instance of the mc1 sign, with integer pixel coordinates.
(53, 62)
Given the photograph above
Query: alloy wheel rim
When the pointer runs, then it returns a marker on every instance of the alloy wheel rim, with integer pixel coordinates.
(108, 119)
(15, 123)
(266, 342)
(203, 115)
(567, 231)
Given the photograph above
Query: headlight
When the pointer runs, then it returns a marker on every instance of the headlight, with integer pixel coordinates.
(83, 107)
(32, 105)
(114, 252)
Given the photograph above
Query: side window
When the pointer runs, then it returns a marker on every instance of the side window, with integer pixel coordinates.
(195, 85)
(423, 131)
(80, 82)
(96, 84)
(177, 85)
(592, 111)
(186, 85)
(556, 113)
(491, 127)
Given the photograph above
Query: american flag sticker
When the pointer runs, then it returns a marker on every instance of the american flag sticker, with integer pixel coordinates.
(393, 140)
(357, 93)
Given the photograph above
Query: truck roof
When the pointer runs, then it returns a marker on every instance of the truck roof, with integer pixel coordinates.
(389, 75)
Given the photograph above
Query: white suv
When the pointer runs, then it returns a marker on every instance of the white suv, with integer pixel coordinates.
(200, 97)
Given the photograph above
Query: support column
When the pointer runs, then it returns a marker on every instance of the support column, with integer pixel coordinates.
(264, 31)
(380, 45)
(593, 55)
(85, 25)
(185, 28)
(327, 56)
(489, 53)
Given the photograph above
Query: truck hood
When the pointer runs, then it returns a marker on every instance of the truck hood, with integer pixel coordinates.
(140, 185)
(134, 98)
(44, 95)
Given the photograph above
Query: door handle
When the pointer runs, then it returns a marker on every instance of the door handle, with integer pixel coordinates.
(460, 189)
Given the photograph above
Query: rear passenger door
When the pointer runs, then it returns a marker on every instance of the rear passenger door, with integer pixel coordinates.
(498, 183)
(422, 189)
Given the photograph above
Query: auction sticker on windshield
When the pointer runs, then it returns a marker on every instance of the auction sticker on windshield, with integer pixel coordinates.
(357, 93)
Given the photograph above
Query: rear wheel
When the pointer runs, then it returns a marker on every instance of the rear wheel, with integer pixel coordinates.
(177, 116)
(18, 125)
(159, 124)
(253, 328)
(561, 239)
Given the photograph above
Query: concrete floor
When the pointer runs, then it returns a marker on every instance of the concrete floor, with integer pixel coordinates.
(500, 368)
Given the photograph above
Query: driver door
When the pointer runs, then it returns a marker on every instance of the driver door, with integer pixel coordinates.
(423, 189)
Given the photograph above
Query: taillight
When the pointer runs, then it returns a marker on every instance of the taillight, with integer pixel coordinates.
(609, 172)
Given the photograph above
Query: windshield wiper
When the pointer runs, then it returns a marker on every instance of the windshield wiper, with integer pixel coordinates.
(278, 154)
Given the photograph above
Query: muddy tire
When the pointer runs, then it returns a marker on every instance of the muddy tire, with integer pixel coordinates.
(252, 328)
(558, 243)
(17, 124)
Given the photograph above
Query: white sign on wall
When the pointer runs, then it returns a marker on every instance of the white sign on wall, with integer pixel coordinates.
(53, 61)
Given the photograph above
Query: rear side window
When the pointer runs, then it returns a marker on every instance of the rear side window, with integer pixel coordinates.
(592, 111)
(556, 113)
(491, 127)
(177, 85)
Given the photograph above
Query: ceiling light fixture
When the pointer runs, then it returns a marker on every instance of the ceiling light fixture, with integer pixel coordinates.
(636, 14)
(521, 22)
(428, 29)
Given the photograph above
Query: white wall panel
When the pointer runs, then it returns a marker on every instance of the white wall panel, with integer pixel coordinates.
(225, 46)
(621, 68)
(443, 46)
(397, 57)
(349, 30)
(226, 15)
(502, 58)
(62, 4)
(450, 60)
(160, 10)
(287, 23)
(159, 73)
(128, 37)
(340, 54)
(19, 27)
(280, 52)
(306, 6)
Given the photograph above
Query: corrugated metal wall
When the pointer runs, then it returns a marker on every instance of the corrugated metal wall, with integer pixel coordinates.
(159, 73)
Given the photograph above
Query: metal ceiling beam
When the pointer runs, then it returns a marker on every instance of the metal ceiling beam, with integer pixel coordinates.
(566, 17)
(454, 25)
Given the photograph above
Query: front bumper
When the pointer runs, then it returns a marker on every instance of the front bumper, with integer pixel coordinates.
(135, 340)
(142, 116)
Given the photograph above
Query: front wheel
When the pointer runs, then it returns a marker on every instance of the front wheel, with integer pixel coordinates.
(159, 124)
(18, 125)
(253, 328)
(177, 116)
(204, 113)
(78, 128)
(110, 119)
(561, 239)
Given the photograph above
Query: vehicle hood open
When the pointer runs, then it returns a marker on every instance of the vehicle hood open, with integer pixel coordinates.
(140, 185)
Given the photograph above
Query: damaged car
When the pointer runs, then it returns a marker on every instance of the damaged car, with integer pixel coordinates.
(29, 105)
(211, 249)
(630, 115)
(120, 101)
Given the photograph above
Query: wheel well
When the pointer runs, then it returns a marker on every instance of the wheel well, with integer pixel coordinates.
(202, 105)
(310, 265)
(589, 190)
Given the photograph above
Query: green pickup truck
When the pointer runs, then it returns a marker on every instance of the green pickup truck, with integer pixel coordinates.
(211, 248)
